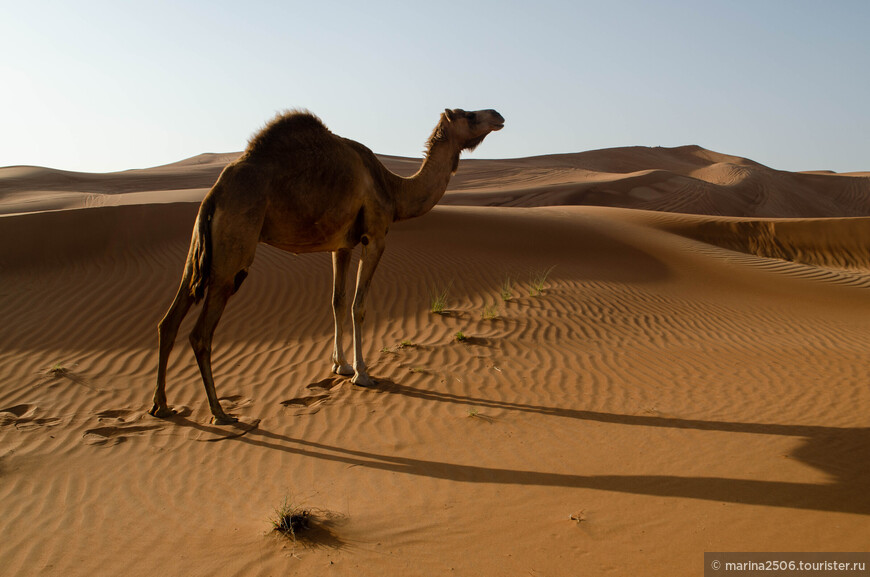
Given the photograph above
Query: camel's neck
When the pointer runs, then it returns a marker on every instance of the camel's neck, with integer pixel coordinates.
(419, 193)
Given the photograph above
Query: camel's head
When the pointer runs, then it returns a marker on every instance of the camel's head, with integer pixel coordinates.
(468, 129)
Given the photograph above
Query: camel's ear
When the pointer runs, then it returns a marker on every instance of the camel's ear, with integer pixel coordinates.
(449, 114)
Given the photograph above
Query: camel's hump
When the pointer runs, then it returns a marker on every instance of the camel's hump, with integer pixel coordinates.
(288, 123)
(295, 120)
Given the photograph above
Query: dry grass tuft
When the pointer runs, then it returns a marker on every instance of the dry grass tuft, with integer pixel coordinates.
(291, 519)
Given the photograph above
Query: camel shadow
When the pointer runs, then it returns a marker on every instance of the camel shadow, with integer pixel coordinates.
(833, 450)
(836, 451)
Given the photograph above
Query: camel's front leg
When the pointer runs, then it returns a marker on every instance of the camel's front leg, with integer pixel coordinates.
(340, 261)
(368, 263)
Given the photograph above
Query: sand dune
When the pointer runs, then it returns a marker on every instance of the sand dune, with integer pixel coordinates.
(684, 383)
(687, 179)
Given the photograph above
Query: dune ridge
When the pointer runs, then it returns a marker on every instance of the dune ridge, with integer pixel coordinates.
(683, 383)
(685, 179)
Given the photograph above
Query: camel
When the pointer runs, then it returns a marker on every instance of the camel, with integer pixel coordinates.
(301, 188)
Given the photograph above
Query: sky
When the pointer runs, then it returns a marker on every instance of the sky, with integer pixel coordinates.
(100, 86)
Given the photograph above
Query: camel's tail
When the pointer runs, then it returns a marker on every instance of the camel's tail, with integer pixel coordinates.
(199, 259)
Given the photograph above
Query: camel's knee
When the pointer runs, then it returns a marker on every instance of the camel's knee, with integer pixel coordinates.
(163, 331)
(359, 312)
(167, 328)
(200, 343)
(339, 300)
(239, 279)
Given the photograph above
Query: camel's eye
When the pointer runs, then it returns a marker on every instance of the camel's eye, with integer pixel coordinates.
(471, 117)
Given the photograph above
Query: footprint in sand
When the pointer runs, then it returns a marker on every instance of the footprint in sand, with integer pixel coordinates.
(305, 401)
(24, 417)
(115, 435)
(122, 415)
(118, 425)
(233, 403)
(310, 404)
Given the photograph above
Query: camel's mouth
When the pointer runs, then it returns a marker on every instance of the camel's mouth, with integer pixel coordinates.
(494, 119)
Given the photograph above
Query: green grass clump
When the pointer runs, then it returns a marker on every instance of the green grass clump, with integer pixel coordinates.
(58, 370)
(490, 312)
(473, 413)
(460, 336)
(506, 290)
(397, 347)
(538, 281)
(439, 297)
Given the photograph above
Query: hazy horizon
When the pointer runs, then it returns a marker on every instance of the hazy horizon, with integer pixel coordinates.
(100, 86)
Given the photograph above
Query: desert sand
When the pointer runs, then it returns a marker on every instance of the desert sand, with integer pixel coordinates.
(691, 378)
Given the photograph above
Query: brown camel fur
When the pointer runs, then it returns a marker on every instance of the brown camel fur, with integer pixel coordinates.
(302, 189)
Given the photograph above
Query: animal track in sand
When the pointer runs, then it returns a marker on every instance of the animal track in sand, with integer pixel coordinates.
(119, 424)
(18, 411)
(23, 417)
(103, 435)
(234, 402)
(122, 415)
(325, 390)
(305, 401)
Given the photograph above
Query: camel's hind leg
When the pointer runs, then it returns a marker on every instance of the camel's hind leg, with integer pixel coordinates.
(234, 244)
(201, 340)
(340, 262)
(167, 331)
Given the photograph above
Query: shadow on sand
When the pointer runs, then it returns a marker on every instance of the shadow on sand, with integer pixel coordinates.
(839, 452)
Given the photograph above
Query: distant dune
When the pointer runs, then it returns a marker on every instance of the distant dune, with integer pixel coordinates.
(693, 377)
(687, 179)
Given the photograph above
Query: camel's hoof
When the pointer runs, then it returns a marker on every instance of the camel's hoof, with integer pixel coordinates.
(362, 381)
(161, 412)
(344, 370)
(224, 420)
